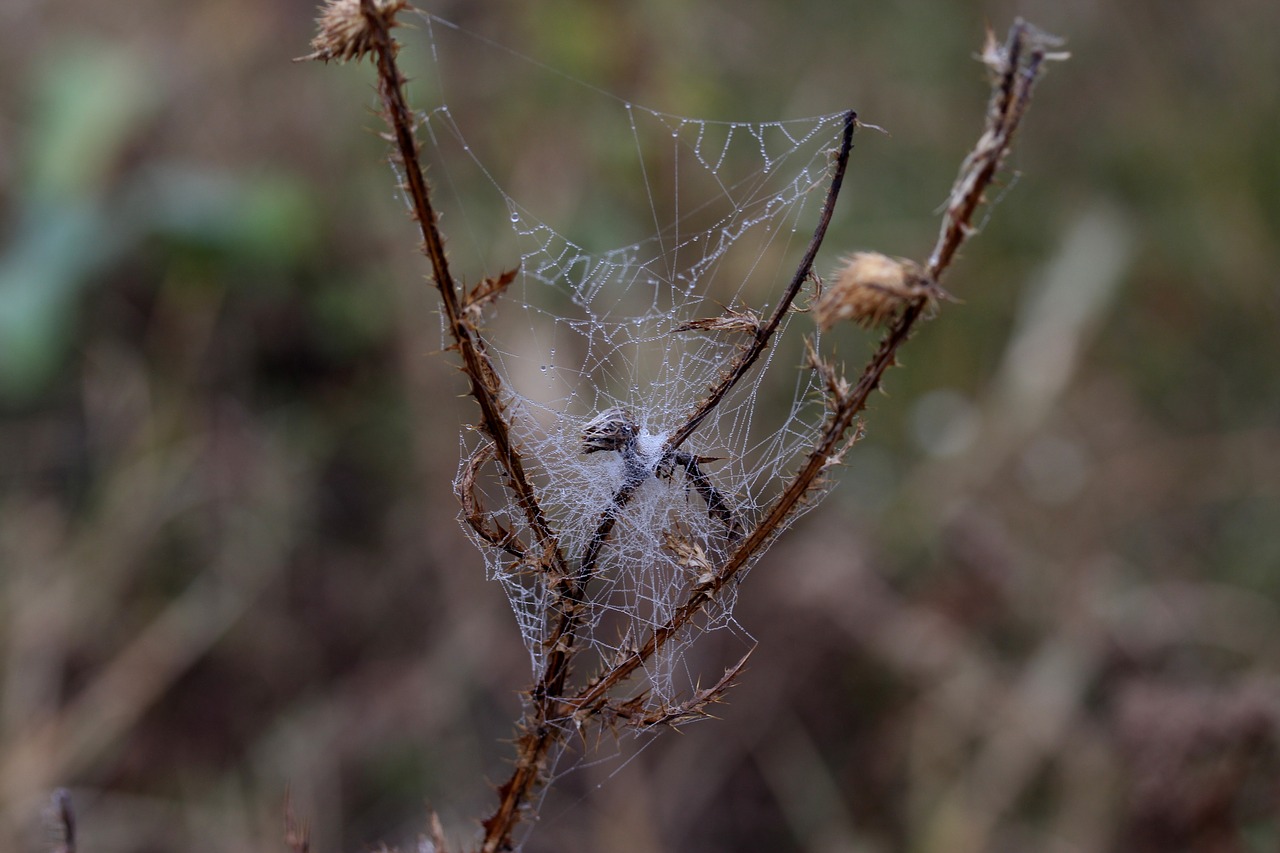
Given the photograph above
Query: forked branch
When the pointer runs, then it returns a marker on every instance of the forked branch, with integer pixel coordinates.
(764, 334)
(355, 28)
(1015, 67)
(350, 37)
(761, 336)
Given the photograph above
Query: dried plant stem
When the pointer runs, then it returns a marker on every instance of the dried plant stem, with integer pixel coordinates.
(1015, 67)
(747, 358)
(536, 738)
(483, 379)
(1015, 64)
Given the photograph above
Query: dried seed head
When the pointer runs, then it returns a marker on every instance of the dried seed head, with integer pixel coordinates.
(344, 31)
(869, 288)
(612, 429)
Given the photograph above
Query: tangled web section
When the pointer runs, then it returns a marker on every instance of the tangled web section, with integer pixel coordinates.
(605, 350)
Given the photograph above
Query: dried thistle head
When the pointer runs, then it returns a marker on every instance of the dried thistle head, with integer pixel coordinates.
(869, 288)
(344, 31)
(612, 429)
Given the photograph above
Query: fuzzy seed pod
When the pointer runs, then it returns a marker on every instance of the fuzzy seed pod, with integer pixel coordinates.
(869, 288)
(344, 32)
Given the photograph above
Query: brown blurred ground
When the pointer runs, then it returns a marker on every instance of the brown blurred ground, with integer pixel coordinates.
(1039, 612)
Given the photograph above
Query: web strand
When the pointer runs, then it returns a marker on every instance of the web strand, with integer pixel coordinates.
(647, 328)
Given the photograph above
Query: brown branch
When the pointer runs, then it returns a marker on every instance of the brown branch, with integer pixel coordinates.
(346, 35)
(763, 334)
(1015, 78)
(485, 386)
(549, 701)
(1014, 74)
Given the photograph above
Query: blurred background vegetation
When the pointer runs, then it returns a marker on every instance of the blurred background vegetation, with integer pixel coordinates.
(1040, 612)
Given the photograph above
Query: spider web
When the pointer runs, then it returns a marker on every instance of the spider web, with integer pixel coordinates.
(726, 210)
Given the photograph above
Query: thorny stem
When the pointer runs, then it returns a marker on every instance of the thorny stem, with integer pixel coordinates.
(1015, 78)
(716, 503)
(483, 379)
(747, 358)
(1011, 95)
(735, 372)
(536, 736)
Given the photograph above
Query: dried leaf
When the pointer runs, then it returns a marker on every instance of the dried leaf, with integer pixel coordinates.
(487, 291)
(731, 320)
(474, 512)
(692, 557)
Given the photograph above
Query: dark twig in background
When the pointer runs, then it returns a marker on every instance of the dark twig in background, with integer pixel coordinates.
(63, 819)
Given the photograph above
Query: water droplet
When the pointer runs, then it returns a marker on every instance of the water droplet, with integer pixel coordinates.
(515, 217)
(543, 368)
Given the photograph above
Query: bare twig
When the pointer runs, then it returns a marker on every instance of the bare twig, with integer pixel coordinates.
(761, 337)
(1015, 65)
(764, 333)
(485, 386)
